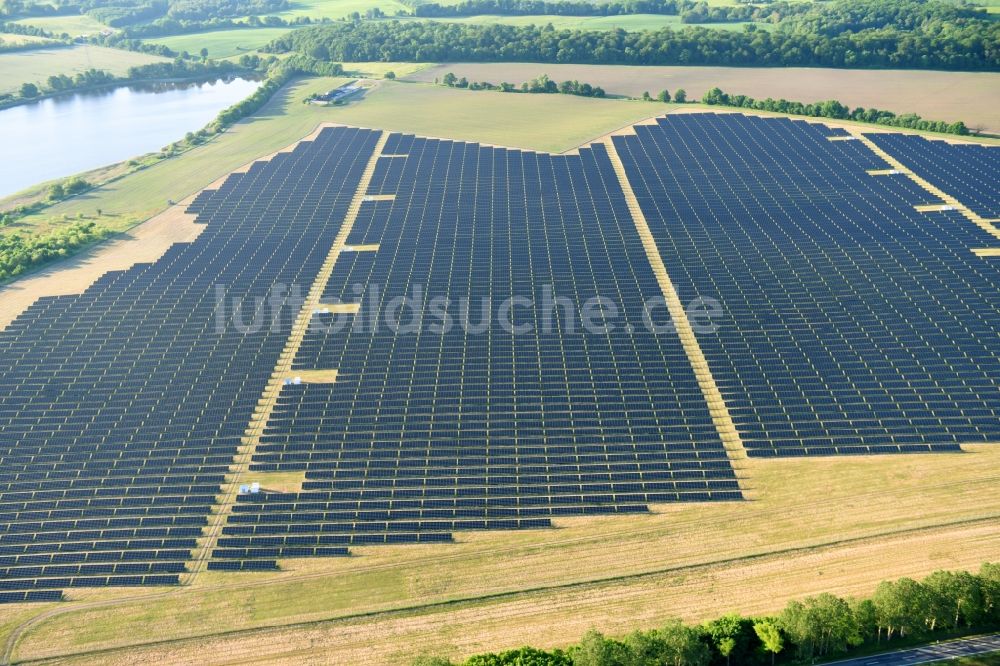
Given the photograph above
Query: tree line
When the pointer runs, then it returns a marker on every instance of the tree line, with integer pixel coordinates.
(6, 47)
(279, 73)
(30, 30)
(171, 26)
(944, 603)
(834, 109)
(690, 11)
(554, 7)
(121, 13)
(31, 8)
(209, 9)
(541, 84)
(94, 78)
(966, 44)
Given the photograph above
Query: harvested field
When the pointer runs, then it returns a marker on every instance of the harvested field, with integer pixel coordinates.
(555, 618)
(973, 97)
(826, 524)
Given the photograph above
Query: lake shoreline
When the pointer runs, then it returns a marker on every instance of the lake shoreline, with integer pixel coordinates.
(84, 131)
(249, 75)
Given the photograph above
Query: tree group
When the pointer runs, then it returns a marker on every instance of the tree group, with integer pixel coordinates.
(833, 109)
(816, 627)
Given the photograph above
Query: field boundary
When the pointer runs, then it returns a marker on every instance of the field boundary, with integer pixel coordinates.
(269, 397)
(723, 421)
(948, 199)
(462, 602)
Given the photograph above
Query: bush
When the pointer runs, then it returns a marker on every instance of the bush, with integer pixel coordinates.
(20, 253)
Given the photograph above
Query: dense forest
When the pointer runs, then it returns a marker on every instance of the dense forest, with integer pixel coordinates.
(690, 11)
(556, 7)
(916, 34)
(817, 627)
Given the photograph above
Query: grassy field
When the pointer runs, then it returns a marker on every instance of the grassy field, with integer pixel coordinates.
(836, 525)
(221, 43)
(71, 25)
(336, 9)
(39, 64)
(8, 39)
(973, 97)
(630, 22)
(540, 122)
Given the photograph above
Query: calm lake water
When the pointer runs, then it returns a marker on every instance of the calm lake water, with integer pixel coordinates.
(64, 135)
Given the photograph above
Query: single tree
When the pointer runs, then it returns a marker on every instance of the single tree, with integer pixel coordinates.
(724, 631)
(866, 620)
(899, 606)
(725, 647)
(29, 90)
(682, 645)
(770, 635)
(664, 96)
(680, 96)
(390, 75)
(989, 580)
(204, 53)
(596, 650)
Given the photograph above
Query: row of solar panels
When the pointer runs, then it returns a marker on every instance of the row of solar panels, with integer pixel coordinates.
(850, 323)
(122, 408)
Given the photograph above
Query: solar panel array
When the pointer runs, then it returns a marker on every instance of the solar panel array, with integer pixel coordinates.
(121, 409)
(426, 432)
(851, 323)
(965, 171)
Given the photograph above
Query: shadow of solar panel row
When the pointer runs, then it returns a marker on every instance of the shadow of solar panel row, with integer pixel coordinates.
(968, 172)
(57, 584)
(429, 431)
(122, 408)
(19, 597)
(849, 322)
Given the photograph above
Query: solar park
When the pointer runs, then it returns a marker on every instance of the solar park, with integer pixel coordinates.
(858, 315)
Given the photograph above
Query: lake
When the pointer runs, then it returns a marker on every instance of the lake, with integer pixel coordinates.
(64, 135)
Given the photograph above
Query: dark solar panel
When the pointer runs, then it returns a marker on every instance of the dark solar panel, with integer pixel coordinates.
(968, 172)
(851, 323)
(121, 408)
(432, 432)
